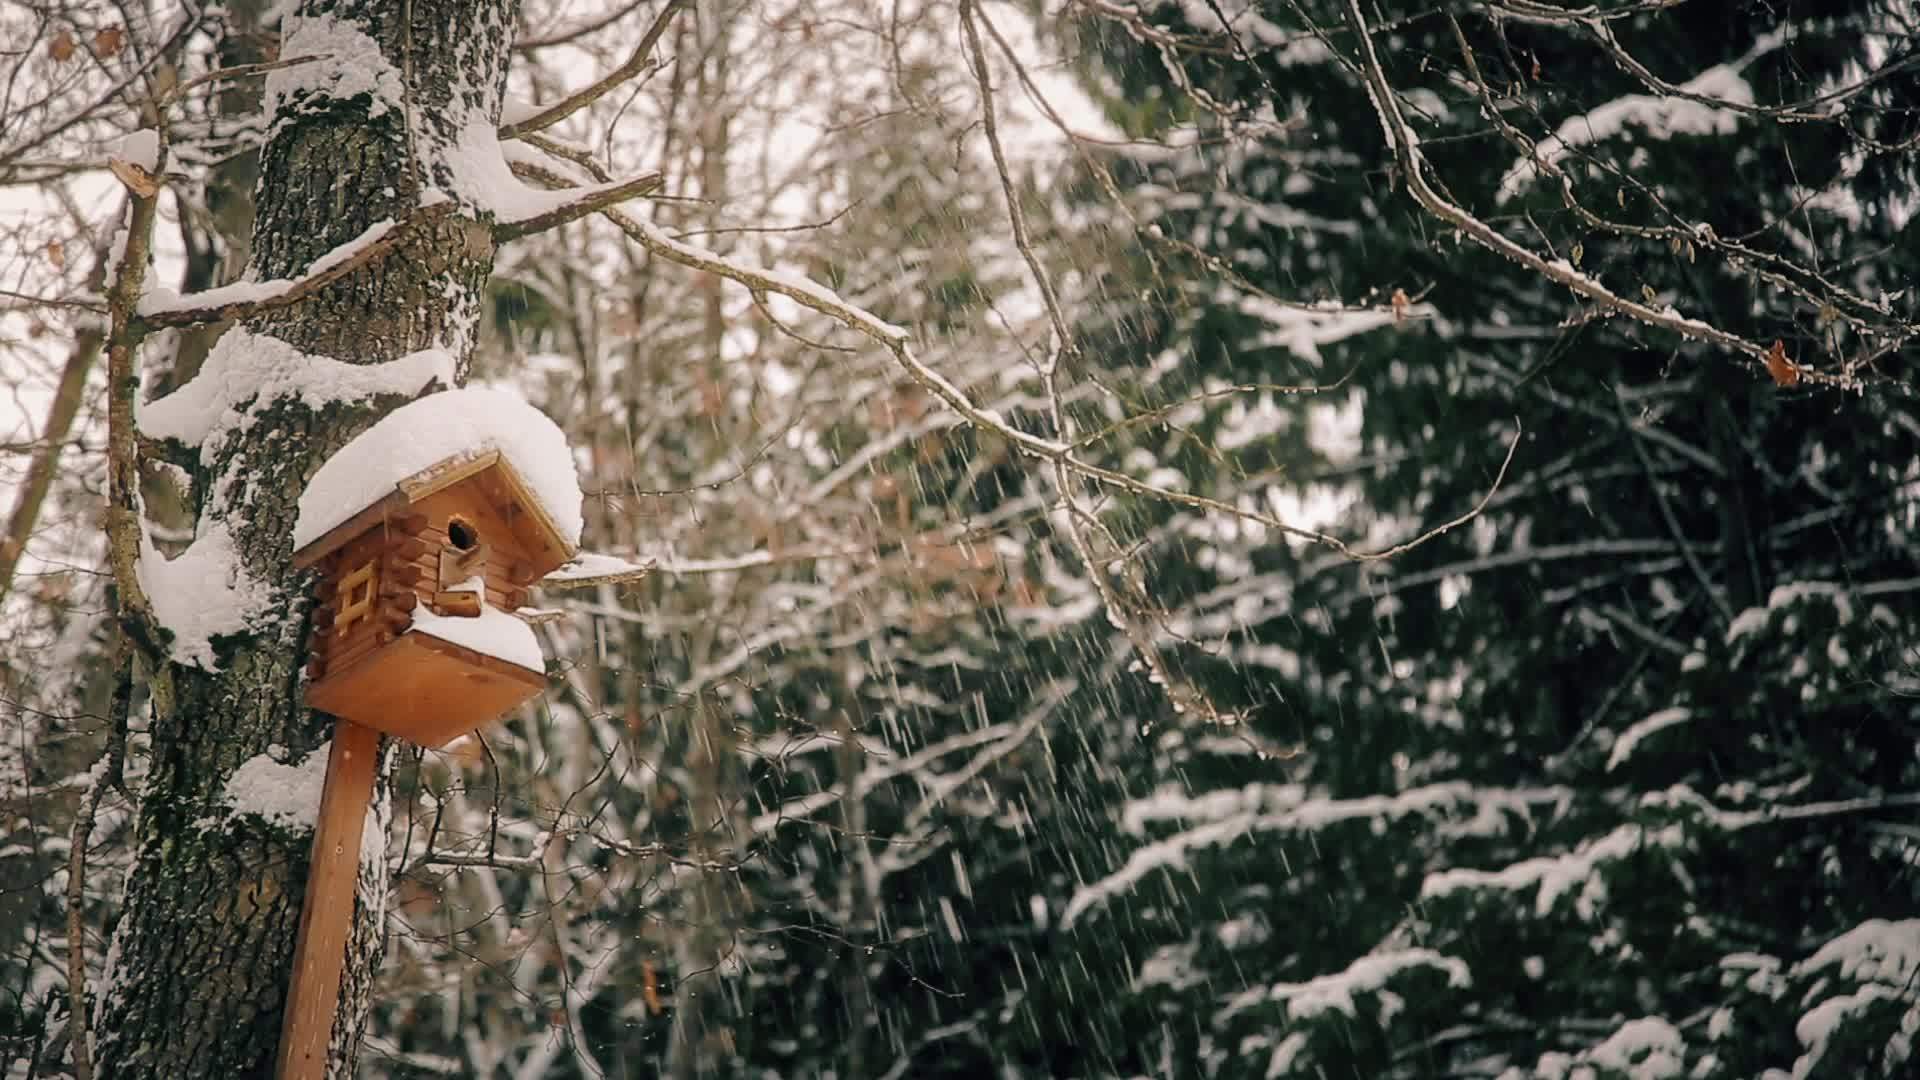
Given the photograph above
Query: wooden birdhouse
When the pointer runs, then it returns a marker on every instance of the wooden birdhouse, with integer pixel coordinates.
(426, 530)
(414, 635)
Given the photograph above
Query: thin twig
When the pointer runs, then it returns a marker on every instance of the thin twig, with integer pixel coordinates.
(1715, 594)
(32, 495)
(106, 774)
(1074, 518)
(1413, 167)
(641, 61)
(238, 71)
(895, 340)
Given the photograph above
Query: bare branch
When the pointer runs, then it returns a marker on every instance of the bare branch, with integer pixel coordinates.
(760, 305)
(1856, 311)
(46, 459)
(1405, 146)
(27, 301)
(568, 34)
(238, 71)
(188, 24)
(1154, 415)
(124, 530)
(107, 773)
(586, 202)
(895, 340)
(639, 63)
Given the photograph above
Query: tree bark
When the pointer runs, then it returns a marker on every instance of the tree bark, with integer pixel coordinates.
(46, 456)
(200, 960)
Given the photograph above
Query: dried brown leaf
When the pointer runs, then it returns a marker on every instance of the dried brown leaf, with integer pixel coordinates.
(1784, 371)
(138, 180)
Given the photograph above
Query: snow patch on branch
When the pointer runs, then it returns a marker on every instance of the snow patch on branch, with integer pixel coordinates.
(160, 301)
(1302, 332)
(1335, 993)
(481, 176)
(202, 594)
(1304, 816)
(593, 568)
(246, 372)
(1755, 619)
(352, 66)
(1649, 1048)
(1623, 747)
(1556, 875)
(1171, 966)
(1288, 48)
(1660, 117)
(1875, 951)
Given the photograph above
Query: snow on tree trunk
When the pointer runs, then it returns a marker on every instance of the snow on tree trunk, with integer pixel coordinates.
(200, 960)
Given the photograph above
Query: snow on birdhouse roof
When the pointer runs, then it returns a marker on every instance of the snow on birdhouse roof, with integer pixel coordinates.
(423, 434)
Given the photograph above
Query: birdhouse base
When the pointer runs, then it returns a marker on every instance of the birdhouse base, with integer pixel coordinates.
(424, 690)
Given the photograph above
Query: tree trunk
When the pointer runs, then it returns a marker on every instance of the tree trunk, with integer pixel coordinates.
(200, 961)
(700, 1042)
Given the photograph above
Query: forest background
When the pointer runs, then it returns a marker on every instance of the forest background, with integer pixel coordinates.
(1385, 547)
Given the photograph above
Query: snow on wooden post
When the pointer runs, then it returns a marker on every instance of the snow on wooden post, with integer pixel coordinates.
(427, 530)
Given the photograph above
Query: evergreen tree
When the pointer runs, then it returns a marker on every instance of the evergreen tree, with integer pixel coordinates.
(1608, 778)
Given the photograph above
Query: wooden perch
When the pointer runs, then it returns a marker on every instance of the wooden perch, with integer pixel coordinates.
(463, 605)
(587, 569)
(327, 916)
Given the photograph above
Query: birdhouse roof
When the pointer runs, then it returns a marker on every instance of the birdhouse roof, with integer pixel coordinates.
(432, 444)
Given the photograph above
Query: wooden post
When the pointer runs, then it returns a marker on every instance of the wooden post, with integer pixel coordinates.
(327, 917)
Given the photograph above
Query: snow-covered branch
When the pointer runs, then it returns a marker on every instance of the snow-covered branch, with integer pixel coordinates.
(584, 202)
(244, 300)
(1405, 145)
(896, 341)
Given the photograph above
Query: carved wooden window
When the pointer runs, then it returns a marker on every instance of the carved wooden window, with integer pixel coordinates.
(357, 592)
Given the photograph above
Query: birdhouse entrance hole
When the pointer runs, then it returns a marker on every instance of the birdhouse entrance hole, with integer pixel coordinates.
(461, 533)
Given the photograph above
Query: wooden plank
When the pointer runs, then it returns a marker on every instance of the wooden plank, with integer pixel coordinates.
(464, 605)
(551, 549)
(340, 534)
(423, 689)
(536, 680)
(326, 919)
(345, 652)
(442, 475)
